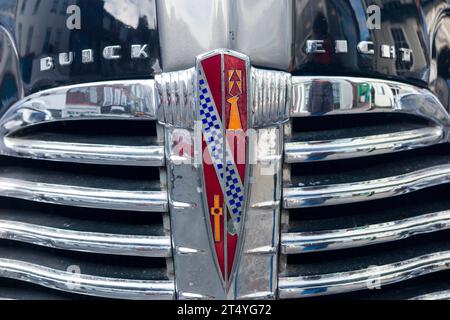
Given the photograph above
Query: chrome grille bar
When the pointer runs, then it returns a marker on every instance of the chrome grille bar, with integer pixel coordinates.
(313, 196)
(103, 243)
(325, 284)
(154, 201)
(303, 242)
(440, 295)
(86, 284)
(309, 151)
(152, 155)
(314, 96)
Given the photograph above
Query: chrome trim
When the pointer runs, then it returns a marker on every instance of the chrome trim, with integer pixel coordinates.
(86, 284)
(324, 240)
(379, 96)
(257, 270)
(440, 295)
(155, 201)
(126, 99)
(315, 196)
(176, 98)
(119, 155)
(271, 95)
(104, 243)
(336, 283)
(310, 151)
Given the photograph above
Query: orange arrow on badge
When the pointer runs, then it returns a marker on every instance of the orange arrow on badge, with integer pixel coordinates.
(235, 119)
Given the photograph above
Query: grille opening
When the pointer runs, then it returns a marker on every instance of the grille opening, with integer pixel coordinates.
(82, 219)
(343, 216)
(95, 176)
(98, 128)
(112, 132)
(124, 267)
(364, 257)
(368, 168)
(344, 125)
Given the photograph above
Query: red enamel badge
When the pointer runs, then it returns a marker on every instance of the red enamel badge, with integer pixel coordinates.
(222, 111)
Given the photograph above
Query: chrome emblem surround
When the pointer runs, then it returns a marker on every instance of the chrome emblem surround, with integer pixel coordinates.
(181, 97)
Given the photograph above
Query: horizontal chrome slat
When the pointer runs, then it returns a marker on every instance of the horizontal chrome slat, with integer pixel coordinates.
(104, 243)
(292, 243)
(151, 155)
(309, 151)
(440, 295)
(314, 96)
(155, 201)
(86, 284)
(125, 99)
(335, 283)
(314, 196)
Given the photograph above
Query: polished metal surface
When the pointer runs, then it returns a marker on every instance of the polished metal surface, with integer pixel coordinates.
(114, 100)
(440, 295)
(324, 240)
(225, 24)
(269, 45)
(335, 283)
(271, 96)
(108, 154)
(70, 195)
(322, 150)
(175, 98)
(313, 96)
(86, 284)
(323, 195)
(257, 274)
(103, 243)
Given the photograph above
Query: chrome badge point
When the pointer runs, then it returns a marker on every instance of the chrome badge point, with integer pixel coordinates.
(222, 95)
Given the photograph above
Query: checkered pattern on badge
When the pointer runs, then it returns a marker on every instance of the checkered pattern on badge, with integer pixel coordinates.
(213, 132)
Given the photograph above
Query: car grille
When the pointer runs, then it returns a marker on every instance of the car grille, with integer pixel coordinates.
(366, 207)
(84, 195)
(84, 206)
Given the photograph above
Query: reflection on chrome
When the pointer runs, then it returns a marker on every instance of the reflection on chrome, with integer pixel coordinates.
(440, 295)
(110, 154)
(96, 101)
(87, 284)
(104, 243)
(314, 96)
(85, 197)
(315, 196)
(292, 243)
(309, 151)
(132, 100)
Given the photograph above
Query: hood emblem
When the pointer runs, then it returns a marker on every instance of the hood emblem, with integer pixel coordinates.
(222, 111)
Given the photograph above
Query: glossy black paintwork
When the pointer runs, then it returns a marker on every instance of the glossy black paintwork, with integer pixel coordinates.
(402, 25)
(439, 81)
(38, 29)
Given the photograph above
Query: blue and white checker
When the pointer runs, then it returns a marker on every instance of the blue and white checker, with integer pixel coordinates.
(214, 136)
